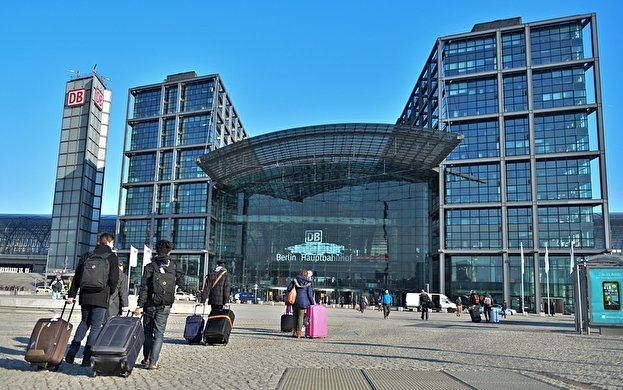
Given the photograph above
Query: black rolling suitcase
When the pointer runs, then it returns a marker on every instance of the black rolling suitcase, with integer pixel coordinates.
(218, 327)
(193, 330)
(288, 322)
(474, 312)
(117, 347)
(49, 338)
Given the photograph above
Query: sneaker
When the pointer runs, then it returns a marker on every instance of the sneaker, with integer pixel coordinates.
(153, 366)
(145, 362)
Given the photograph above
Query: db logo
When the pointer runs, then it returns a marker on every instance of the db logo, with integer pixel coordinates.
(99, 99)
(313, 235)
(76, 97)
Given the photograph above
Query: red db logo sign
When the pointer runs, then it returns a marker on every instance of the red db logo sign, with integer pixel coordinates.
(99, 99)
(76, 97)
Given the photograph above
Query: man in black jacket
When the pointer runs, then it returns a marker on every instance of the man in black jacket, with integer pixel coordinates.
(93, 300)
(217, 287)
(155, 297)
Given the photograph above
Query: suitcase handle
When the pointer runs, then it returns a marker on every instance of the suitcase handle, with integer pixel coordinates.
(73, 304)
(203, 312)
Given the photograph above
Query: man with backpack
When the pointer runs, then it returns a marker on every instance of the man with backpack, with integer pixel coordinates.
(486, 306)
(425, 304)
(217, 287)
(96, 277)
(155, 297)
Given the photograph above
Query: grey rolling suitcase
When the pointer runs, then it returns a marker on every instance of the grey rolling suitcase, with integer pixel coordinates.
(117, 347)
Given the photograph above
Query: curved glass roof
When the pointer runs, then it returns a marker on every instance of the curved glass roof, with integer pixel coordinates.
(297, 163)
(25, 234)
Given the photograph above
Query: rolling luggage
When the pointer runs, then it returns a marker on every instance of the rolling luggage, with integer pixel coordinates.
(288, 322)
(474, 312)
(117, 347)
(495, 315)
(316, 323)
(49, 338)
(193, 330)
(218, 327)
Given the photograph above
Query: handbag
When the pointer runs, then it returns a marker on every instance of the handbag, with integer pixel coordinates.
(291, 296)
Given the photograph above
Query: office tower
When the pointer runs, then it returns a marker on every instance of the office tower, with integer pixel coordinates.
(531, 171)
(164, 194)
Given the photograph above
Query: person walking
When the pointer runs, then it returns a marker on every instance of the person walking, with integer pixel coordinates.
(96, 277)
(217, 287)
(459, 306)
(504, 308)
(57, 287)
(119, 298)
(486, 306)
(425, 303)
(155, 297)
(363, 303)
(304, 298)
(386, 301)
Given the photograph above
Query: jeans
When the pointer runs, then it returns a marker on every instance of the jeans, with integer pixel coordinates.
(425, 312)
(56, 295)
(385, 310)
(92, 317)
(154, 323)
(487, 311)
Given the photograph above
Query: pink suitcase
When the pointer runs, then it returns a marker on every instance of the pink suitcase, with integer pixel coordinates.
(317, 321)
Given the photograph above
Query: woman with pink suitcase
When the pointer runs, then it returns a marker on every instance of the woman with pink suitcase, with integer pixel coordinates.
(304, 299)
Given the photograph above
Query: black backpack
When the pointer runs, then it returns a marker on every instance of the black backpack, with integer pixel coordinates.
(95, 271)
(164, 284)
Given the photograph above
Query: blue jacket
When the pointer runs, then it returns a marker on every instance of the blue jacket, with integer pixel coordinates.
(304, 292)
(386, 299)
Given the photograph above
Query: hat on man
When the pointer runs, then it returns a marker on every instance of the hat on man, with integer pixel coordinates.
(220, 262)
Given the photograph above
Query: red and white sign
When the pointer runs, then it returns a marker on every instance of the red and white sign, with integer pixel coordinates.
(77, 97)
(99, 99)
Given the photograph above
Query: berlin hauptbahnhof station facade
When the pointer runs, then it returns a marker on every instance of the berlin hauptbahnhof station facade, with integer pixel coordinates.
(500, 146)
(498, 152)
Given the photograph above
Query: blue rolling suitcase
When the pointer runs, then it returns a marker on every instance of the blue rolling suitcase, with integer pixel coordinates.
(193, 330)
(495, 316)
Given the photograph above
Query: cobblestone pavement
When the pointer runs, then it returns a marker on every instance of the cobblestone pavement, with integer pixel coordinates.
(543, 348)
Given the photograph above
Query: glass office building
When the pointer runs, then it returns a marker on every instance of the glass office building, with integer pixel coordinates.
(164, 194)
(531, 171)
(80, 172)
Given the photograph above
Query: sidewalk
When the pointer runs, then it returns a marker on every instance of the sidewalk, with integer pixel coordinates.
(361, 352)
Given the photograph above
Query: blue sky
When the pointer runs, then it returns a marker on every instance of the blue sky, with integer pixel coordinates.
(284, 63)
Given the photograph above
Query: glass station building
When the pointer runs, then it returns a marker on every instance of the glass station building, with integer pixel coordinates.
(499, 146)
(354, 203)
(531, 170)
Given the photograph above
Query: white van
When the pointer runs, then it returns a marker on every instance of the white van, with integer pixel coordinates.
(441, 302)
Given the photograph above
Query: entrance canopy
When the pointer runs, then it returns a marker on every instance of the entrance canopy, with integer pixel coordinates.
(298, 163)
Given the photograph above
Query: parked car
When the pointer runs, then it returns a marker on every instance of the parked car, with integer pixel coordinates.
(184, 296)
(244, 296)
(43, 290)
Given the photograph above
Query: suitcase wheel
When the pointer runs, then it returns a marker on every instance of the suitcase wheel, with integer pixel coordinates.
(39, 367)
(125, 374)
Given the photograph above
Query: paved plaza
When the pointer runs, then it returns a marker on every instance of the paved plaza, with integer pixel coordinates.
(361, 352)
